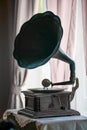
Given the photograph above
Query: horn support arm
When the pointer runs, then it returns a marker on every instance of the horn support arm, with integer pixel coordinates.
(62, 56)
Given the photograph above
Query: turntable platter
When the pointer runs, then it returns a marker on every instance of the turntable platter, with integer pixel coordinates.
(50, 90)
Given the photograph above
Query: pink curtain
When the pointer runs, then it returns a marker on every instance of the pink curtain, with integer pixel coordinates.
(66, 10)
(84, 16)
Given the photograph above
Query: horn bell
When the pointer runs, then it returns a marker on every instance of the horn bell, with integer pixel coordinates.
(38, 40)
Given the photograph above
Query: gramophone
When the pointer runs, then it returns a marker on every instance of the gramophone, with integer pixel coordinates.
(38, 41)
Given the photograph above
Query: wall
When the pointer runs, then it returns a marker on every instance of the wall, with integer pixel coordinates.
(4, 56)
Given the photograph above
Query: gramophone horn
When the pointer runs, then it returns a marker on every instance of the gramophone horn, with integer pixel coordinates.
(39, 40)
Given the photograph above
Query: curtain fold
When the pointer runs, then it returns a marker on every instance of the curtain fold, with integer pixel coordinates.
(40, 6)
(84, 18)
(21, 12)
(66, 10)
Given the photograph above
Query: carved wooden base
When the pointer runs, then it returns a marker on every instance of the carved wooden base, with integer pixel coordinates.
(52, 113)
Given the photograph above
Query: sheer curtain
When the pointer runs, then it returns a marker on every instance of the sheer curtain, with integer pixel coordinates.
(80, 100)
(66, 10)
(21, 12)
(84, 21)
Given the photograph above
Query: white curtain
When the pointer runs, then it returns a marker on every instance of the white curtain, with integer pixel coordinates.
(22, 11)
(80, 100)
(66, 10)
(84, 22)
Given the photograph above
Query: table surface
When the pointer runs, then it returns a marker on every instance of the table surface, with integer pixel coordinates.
(51, 123)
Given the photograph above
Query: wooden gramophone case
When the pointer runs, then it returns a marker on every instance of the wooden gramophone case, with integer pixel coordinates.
(47, 104)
